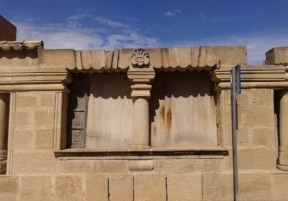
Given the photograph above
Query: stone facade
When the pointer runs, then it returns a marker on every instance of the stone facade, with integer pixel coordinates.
(137, 125)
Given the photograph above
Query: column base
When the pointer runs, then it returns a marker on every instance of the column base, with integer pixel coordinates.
(282, 167)
(3, 155)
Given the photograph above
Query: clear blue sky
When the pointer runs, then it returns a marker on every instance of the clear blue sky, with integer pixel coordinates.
(111, 24)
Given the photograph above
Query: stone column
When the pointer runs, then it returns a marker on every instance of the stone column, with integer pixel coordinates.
(4, 105)
(283, 131)
(141, 76)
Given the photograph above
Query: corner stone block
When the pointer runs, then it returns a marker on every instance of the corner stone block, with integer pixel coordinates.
(8, 188)
(36, 188)
(217, 187)
(96, 187)
(186, 187)
(150, 187)
(277, 56)
(121, 187)
(69, 188)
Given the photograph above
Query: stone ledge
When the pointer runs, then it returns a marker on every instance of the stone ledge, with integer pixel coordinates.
(21, 45)
(144, 154)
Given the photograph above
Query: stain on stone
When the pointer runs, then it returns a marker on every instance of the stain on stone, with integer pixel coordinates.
(162, 113)
(168, 120)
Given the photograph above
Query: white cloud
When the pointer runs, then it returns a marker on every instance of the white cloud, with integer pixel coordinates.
(172, 13)
(75, 36)
(257, 44)
(110, 23)
(168, 14)
(74, 20)
(178, 11)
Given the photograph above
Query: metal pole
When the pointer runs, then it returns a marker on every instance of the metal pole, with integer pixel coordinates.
(234, 132)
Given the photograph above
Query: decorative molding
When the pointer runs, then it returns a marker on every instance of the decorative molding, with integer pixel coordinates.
(21, 45)
(150, 153)
(140, 58)
(266, 76)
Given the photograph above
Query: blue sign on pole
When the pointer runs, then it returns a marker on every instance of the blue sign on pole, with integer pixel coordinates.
(238, 79)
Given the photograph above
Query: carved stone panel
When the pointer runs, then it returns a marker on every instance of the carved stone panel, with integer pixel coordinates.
(182, 112)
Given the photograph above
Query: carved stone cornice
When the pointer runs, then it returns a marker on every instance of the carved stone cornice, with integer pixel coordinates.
(266, 76)
(140, 58)
(200, 58)
(21, 45)
(30, 79)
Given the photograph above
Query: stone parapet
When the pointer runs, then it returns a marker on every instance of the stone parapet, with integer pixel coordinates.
(277, 56)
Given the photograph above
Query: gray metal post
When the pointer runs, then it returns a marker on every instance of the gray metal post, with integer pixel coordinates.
(235, 89)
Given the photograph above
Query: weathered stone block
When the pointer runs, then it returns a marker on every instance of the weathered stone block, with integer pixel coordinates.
(69, 188)
(36, 188)
(280, 187)
(244, 97)
(244, 135)
(26, 100)
(23, 119)
(8, 188)
(96, 187)
(46, 99)
(217, 187)
(115, 166)
(23, 139)
(121, 187)
(188, 165)
(261, 97)
(44, 139)
(78, 166)
(262, 136)
(253, 115)
(255, 186)
(150, 187)
(35, 162)
(186, 187)
(277, 56)
(44, 118)
(65, 58)
(254, 158)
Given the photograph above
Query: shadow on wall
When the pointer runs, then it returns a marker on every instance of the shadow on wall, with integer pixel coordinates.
(19, 54)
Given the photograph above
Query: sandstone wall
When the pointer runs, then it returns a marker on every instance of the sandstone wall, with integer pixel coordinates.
(40, 167)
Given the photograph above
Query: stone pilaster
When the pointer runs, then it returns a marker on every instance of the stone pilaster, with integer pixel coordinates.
(283, 131)
(141, 76)
(4, 105)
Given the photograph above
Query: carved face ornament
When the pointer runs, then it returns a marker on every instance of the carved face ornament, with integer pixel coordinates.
(140, 58)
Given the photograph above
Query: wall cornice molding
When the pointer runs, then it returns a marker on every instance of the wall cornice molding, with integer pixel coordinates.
(265, 76)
